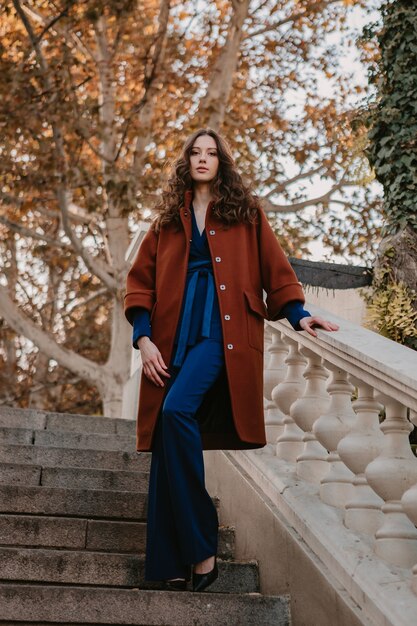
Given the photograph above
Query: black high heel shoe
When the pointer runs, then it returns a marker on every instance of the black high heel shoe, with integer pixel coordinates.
(175, 585)
(201, 581)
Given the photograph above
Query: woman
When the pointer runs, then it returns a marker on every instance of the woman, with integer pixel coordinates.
(194, 298)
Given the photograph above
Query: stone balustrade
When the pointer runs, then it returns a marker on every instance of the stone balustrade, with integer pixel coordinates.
(340, 408)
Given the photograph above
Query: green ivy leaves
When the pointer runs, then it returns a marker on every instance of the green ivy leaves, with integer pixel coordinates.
(392, 121)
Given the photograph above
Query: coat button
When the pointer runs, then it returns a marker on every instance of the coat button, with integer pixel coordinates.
(230, 346)
(222, 287)
(227, 317)
(218, 259)
(185, 213)
(212, 232)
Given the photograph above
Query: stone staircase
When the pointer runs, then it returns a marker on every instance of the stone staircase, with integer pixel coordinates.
(73, 494)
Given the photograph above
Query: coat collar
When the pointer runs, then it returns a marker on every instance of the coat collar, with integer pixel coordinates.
(188, 198)
(185, 213)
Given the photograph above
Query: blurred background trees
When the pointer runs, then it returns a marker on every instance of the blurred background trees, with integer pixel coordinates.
(392, 151)
(96, 99)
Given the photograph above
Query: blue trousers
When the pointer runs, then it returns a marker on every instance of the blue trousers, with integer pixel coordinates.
(182, 522)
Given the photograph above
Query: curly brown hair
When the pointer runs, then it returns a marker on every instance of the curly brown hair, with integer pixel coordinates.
(233, 200)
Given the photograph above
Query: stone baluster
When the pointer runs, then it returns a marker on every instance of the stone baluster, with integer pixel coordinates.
(290, 442)
(409, 504)
(336, 486)
(312, 462)
(357, 449)
(274, 374)
(390, 474)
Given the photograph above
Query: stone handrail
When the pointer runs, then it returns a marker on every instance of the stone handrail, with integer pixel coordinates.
(340, 408)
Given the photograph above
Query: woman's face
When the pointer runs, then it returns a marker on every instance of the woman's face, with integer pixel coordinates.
(204, 160)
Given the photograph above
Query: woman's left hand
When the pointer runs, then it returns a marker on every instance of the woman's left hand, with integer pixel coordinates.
(306, 323)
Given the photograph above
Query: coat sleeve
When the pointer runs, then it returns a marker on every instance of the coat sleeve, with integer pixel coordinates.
(140, 280)
(294, 312)
(141, 326)
(278, 277)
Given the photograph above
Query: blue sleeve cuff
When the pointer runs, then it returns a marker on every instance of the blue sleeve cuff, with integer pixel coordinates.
(294, 312)
(141, 325)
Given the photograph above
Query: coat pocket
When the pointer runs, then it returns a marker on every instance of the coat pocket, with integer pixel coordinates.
(255, 315)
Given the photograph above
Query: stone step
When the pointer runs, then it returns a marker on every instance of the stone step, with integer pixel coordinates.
(90, 424)
(94, 441)
(74, 457)
(103, 605)
(68, 439)
(16, 435)
(96, 503)
(41, 531)
(72, 502)
(109, 569)
(22, 418)
(73, 477)
(39, 420)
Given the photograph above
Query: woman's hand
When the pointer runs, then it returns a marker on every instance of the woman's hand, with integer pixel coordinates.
(306, 323)
(153, 363)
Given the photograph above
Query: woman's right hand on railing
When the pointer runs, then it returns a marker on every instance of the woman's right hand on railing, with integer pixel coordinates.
(152, 361)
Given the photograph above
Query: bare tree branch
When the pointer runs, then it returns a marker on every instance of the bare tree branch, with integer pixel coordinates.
(23, 325)
(298, 206)
(82, 302)
(258, 8)
(286, 183)
(313, 7)
(33, 39)
(27, 232)
(55, 20)
(76, 214)
(96, 266)
(213, 105)
(107, 105)
(146, 104)
(38, 17)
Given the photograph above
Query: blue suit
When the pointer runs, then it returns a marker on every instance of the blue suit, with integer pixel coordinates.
(182, 522)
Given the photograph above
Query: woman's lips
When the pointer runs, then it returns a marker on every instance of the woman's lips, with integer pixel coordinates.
(202, 169)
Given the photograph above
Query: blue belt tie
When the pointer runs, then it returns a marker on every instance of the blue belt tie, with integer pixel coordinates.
(188, 306)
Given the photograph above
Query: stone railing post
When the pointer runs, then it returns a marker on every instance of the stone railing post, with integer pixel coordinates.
(409, 504)
(290, 442)
(390, 474)
(357, 449)
(274, 374)
(336, 486)
(312, 462)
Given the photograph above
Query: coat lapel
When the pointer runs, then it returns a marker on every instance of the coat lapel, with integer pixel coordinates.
(185, 215)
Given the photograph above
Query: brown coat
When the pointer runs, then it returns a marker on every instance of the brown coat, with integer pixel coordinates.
(247, 258)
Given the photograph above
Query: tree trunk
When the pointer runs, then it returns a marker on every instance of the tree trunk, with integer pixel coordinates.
(213, 105)
(401, 250)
